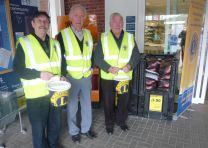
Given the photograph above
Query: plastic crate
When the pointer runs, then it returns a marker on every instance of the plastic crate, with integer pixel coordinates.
(8, 108)
(168, 95)
(142, 72)
(141, 80)
(134, 82)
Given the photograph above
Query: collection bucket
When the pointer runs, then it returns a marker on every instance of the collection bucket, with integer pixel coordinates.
(121, 85)
(59, 92)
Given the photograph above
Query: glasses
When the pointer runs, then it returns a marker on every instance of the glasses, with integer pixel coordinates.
(44, 21)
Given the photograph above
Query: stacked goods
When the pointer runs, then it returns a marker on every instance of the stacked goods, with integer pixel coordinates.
(158, 73)
(151, 74)
(150, 84)
(152, 64)
(165, 73)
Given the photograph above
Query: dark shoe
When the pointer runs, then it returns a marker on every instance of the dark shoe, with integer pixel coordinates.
(124, 127)
(76, 138)
(60, 145)
(109, 131)
(90, 134)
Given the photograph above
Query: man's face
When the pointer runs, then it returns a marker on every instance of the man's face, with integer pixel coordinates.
(77, 19)
(41, 25)
(116, 25)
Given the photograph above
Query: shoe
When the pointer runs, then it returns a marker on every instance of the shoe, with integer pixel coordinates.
(124, 127)
(60, 145)
(90, 134)
(109, 131)
(76, 138)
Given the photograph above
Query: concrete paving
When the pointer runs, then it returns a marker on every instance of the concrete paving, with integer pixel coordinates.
(190, 132)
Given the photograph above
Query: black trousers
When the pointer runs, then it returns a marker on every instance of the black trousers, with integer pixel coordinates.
(113, 113)
(45, 122)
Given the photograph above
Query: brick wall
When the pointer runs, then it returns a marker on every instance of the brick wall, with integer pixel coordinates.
(93, 7)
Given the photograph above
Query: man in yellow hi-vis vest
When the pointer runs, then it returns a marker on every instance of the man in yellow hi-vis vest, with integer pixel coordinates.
(37, 60)
(116, 55)
(77, 45)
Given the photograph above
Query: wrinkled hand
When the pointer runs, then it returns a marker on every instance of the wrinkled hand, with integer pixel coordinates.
(44, 75)
(126, 68)
(113, 70)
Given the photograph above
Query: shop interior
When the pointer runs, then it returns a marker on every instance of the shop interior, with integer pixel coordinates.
(164, 22)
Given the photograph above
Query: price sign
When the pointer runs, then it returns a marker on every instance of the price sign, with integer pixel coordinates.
(155, 103)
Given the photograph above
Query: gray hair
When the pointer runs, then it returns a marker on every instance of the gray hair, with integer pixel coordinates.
(115, 14)
(75, 7)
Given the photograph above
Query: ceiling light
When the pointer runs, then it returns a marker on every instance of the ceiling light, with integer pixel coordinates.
(174, 22)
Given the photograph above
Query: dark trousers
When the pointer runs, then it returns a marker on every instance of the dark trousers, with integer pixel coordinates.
(54, 126)
(45, 122)
(113, 113)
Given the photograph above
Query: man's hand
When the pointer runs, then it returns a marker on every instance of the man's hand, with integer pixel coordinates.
(113, 70)
(44, 75)
(127, 68)
(63, 78)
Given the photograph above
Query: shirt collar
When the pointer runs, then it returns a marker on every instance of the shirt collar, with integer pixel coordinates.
(120, 37)
(79, 34)
(39, 39)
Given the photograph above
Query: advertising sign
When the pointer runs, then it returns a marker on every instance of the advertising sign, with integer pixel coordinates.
(21, 14)
(130, 24)
(194, 29)
(5, 38)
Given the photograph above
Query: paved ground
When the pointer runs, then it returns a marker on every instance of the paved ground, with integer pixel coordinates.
(143, 133)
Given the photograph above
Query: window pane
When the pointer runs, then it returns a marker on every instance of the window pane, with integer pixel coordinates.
(165, 19)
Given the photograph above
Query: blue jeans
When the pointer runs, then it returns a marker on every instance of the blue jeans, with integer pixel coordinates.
(42, 117)
(79, 88)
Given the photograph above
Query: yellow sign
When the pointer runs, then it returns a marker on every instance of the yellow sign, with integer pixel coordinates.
(155, 103)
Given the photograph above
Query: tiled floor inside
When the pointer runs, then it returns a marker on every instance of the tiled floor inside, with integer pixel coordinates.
(190, 132)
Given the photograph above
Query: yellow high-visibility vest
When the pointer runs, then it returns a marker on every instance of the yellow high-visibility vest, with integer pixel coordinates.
(36, 58)
(78, 64)
(115, 56)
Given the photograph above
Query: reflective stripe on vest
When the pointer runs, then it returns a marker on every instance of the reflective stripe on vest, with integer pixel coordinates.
(78, 64)
(121, 75)
(117, 57)
(35, 88)
(34, 65)
(58, 50)
(33, 82)
(71, 51)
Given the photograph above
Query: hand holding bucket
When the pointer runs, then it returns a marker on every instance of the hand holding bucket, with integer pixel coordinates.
(58, 91)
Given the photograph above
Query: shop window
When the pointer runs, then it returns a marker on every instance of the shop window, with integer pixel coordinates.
(165, 20)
